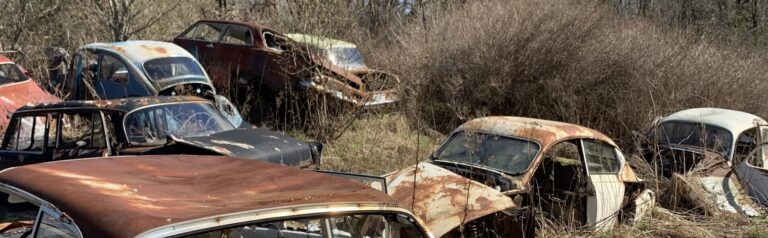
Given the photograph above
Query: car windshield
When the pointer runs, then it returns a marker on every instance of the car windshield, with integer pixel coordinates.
(696, 134)
(10, 73)
(506, 154)
(152, 125)
(172, 67)
(345, 57)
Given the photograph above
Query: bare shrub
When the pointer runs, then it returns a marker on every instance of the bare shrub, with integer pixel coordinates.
(567, 61)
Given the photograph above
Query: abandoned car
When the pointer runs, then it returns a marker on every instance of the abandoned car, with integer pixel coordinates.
(17, 88)
(700, 147)
(197, 196)
(142, 125)
(256, 64)
(346, 56)
(140, 69)
(491, 174)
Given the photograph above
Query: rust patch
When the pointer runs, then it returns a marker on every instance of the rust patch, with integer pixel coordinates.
(443, 199)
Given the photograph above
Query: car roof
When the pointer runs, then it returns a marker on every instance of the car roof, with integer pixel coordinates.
(319, 41)
(126, 196)
(253, 25)
(544, 132)
(123, 104)
(140, 51)
(732, 120)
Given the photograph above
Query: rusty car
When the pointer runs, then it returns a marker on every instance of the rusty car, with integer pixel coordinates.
(256, 64)
(140, 69)
(140, 126)
(197, 196)
(492, 174)
(347, 56)
(705, 149)
(17, 89)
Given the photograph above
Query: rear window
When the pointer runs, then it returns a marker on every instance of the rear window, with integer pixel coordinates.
(172, 67)
(10, 73)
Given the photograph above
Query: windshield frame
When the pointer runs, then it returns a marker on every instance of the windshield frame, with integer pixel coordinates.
(194, 62)
(142, 108)
(729, 153)
(439, 149)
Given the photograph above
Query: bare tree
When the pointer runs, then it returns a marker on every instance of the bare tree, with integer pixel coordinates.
(125, 18)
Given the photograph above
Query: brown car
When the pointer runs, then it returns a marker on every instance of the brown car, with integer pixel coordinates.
(254, 62)
(197, 196)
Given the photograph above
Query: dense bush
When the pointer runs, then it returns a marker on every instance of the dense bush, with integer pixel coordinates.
(567, 61)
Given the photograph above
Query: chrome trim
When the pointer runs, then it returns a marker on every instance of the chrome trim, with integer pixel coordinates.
(282, 213)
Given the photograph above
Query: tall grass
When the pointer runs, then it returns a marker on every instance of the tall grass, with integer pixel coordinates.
(570, 61)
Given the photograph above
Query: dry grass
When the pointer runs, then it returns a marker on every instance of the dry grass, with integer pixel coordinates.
(377, 144)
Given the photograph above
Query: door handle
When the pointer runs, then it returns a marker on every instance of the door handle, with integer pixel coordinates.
(209, 45)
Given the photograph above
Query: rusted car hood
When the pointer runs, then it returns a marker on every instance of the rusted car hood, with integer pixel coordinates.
(254, 143)
(443, 199)
(15, 95)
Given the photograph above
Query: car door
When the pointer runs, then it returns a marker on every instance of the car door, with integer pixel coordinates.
(25, 140)
(754, 174)
(200, 40)
(603, 164)
(115, 79)
(234, 56)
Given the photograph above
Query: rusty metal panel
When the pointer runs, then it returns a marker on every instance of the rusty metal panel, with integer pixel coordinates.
(544, 132)
(715, 191)
(444, 200)
(125, 196)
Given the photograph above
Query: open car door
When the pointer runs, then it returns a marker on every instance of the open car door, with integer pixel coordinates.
(754, 173)
(603, 163)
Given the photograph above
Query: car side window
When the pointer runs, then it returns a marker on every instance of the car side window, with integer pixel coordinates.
(114, 70)
(274, 41)
(360, 225)
(28, 134)
(238, 35)
(601, 157)
(207, 32)
(53, 227)
(82, 130)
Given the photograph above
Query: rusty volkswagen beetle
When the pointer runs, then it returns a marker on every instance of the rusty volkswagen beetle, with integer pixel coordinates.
(197, 196)
(488, 174)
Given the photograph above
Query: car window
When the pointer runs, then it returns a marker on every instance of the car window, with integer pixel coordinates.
(274, 41)
(81, 130)
(239, 35)
(51, 227)
(87, 69)
(10, 73)
(745, 143)
(28, 134)
(696, 134)
(53, 125)
(354, 225)
(206, 32)
(171, 67)
(114, 70)
(507, 154)
(151, 126)
(601, 157)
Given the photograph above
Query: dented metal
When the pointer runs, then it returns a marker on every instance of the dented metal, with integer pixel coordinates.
(175, 195)
(151, 125)
(443, 199)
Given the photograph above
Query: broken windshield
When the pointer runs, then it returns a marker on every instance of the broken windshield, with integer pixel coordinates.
(345, 57)
(696, 134)
(172, 67)
(509, 155)
(151, 126)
